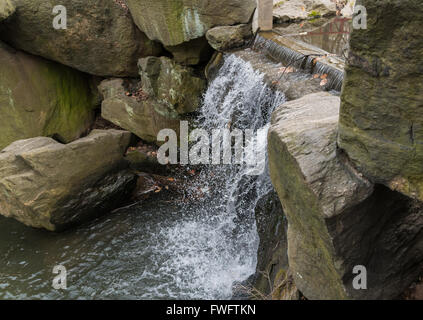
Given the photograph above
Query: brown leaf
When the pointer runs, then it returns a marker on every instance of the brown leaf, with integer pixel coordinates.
(323, 82)
(316, 75)
(324, 76)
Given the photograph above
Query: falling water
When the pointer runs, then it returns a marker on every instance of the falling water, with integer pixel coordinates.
(221, 232)
(161, 248)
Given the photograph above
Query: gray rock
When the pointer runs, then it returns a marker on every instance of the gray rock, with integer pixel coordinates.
(101, 37)
(173, 85)
(143, 116)
(173, 22)
(7, 8)
(45, 184)
(298, 10)
(381, 120)
(273, 278)
(337, 219)
(229, 37)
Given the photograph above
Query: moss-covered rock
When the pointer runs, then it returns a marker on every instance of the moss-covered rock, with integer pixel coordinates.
(7, 8)
(173, 85)
(100, 38)
(381, 120)
(337, 219)
(41, 98)
(45, 184)
(173, 22)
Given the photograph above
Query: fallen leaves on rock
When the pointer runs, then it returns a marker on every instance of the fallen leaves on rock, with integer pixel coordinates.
(287, 69)
(323, 82)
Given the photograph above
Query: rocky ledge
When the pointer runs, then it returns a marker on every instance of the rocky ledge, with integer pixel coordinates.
(46, 184)
(337, 219)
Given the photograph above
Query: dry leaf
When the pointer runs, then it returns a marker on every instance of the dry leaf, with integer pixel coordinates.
(323, 82)
(316, 75)
(324, 76)
(302, 8)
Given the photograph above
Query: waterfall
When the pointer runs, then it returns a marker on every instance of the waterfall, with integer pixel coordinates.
(216, 242)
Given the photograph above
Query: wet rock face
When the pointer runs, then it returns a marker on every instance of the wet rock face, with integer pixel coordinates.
(381, 119)
(337, 219)
(45, 184)
(7, 8)
(273, 279)
(100, 38)
(173, 22)
(41, 98)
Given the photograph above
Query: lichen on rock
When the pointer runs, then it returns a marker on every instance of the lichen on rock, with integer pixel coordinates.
(41, 98)
(381, 119)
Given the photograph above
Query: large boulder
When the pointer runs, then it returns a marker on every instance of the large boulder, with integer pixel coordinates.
(171, 84)
(337, 219)
(229, 37)
(41, 98)
(135, 111)
(381, 120)
(7, 8)
(173, 22)
(45, 184)
(100, 38)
